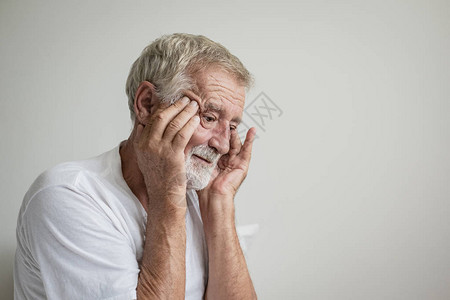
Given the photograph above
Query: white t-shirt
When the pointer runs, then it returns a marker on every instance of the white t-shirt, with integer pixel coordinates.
(80, 235)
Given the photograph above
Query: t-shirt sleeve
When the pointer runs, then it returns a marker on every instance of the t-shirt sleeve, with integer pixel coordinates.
(79, 248)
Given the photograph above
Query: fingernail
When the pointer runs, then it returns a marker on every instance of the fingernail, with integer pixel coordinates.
(185, 100)
(196, 118)
(193, 103)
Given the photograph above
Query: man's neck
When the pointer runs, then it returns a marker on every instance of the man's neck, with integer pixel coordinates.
(131, 172)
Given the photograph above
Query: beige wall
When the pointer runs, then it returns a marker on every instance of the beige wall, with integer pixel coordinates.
(350, 185)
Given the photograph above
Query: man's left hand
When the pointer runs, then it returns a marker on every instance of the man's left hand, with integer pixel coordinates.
(216, 200)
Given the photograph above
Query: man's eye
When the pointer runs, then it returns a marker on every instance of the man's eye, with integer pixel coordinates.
(232, 128)
(209, 119)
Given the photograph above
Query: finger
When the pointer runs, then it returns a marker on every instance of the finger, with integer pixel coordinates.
(223, 161)
(184, 135)
(163, 105)
(246, 151)
(180, 120)
(164, 115)
(235, 143)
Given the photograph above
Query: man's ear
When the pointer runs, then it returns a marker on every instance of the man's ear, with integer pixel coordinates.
(145, 101)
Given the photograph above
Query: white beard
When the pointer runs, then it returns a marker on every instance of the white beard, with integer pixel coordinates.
(198, 173)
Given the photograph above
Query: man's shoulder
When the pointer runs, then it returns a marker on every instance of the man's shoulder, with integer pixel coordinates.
(68, 173)
(65, 173)
(74, 175)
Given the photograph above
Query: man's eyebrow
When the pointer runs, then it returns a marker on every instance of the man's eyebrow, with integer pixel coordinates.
(237, 120)
(213, 106)
(217, 108)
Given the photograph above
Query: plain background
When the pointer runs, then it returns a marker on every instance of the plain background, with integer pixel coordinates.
(350, 185)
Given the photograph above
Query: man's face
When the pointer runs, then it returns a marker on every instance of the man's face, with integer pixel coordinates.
(221, 102)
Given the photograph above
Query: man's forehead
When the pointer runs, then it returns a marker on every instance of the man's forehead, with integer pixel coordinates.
(215, 80)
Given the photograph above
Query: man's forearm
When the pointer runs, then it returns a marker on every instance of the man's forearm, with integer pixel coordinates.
(163, 267)
(228, 274)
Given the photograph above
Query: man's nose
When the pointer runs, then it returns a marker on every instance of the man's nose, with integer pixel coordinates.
(221, 140)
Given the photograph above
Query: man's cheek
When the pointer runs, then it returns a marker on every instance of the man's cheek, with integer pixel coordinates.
(201, 136)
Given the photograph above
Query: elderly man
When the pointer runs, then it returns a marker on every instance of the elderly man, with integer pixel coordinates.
(154, 217)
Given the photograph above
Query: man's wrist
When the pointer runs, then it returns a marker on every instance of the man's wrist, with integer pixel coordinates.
(171, 200)
(222, 233)
(219, 224)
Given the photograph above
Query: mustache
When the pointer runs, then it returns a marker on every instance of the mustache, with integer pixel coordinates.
(206, 152)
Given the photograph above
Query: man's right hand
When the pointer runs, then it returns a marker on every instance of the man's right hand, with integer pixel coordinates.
(159, 147)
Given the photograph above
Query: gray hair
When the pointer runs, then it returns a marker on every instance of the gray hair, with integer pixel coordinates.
(171, 60)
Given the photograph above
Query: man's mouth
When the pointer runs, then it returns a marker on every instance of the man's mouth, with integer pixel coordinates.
(202, 158)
